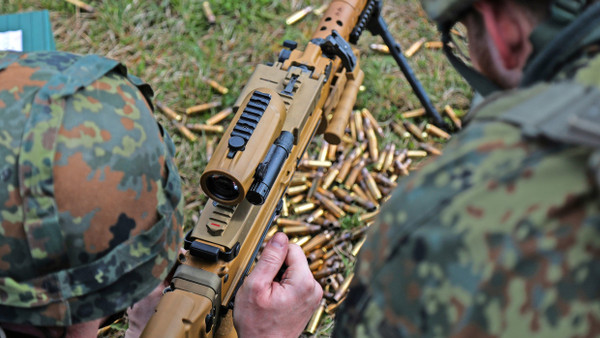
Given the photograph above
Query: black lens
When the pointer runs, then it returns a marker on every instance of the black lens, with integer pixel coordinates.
(222, 187)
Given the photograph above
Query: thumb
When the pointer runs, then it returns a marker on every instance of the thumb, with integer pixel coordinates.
(271, 259)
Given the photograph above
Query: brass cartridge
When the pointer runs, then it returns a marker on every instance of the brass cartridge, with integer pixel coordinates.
(353, 175)
(298, 179)
(332, 308)
(402, 167)
(216, 86)
(358, 121)
(414, 48)
(323, 151)
(284, 222)
(205, 128)
(342, 195)
(401, 156)
(185, 132)
(331, 280)
(381, 48)
(372, 140)
(400, 130)
(332, 151)
(434, 44)
(339, 293)
(359, 193)
(315, 184)
(367, 191)
(331, 175)
(316, 255)
(452, 115)
(326, 193)
(210, 16)
(301, 230)
(389, 159)
(297, 16)
(316, 265)
(356, 248)
(315, 215)
(371, 184)
(302, 240)
(344, 169)
(379, 164)
(303, 208)
(351, 209)
(330, 206)
(416, 153)
(285, 210)
(296, 199)
(414, 130)
(319, 11)
(353, 130)
(202, 107)
(381, 178)
(315, 164)
(369, 216)
(297, 189)
(413, 113)
(430, 148)
(331, 220)
(272, 231)
(170, 113)
(220, 116)
(313, 323)
(317, 241)
(82, 5)
(374, 123)
(431, 129)
(324, 272)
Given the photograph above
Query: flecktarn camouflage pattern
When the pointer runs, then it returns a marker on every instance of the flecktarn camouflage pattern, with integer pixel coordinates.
(90, 210)
(500, 236)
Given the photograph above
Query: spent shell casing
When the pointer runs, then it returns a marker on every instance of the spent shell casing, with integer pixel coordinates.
(315, 215)
(400, 130)
(326, 193)
(342, 195)
(384, 153)
(303, 208)
(317, 241)
(170, 113)
(330, 176)
(416, 153)
(302, 240)
(431, 129)
(185, 131)
(216, 86)
(324, 272)
(272, 231)
(381, 48)
(402, 167)
(389, 159)
(332, 280)
(353, 175)
(414, 47)
(351, 209)
(365, 188)
(356, 248)
(316, 254)
(323, 151)
(374, 123)
(332, 308)
(316, 265)
(358, 121)
(434, 44)
(413, 113)
(371, 184)
(339, 293)
(297, 199)
(330, 206)
(332, 152)
(315, 319)
(296, 189)
(381, 178)
(285, 210)
(369, 216)
(80, 4)
(298, 179)
(220, 116)
(315, 163)
(297, 16)
(372, 140)
(332, 221)
(202, 107)
(352, 124)
(285, 222)
(414, 130)
(315, 184)
(430, 148)
(210, 16)
(210, 147)
(452, 115)
(205, 128)
(321, 9)
(301, 230)
(345, 169)
(401, 156)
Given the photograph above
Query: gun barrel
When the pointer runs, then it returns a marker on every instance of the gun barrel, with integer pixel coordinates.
(339, 120)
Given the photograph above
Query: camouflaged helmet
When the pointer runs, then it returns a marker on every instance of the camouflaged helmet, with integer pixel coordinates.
(90, 201)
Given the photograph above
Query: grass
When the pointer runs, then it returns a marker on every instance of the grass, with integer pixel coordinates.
(170, 45)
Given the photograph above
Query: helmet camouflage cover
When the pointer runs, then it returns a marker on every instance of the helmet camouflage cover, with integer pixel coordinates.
(90, 199)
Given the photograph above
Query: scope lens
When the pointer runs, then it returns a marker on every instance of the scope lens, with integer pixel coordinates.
(222, 187)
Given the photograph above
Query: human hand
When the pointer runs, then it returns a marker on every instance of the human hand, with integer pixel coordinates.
(265, 307)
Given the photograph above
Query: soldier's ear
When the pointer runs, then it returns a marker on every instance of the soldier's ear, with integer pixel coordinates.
(509, 26)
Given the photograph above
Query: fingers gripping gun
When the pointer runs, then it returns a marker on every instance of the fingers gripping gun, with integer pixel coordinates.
(277, 114)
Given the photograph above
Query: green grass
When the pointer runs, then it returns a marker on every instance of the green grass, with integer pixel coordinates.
(170, 45)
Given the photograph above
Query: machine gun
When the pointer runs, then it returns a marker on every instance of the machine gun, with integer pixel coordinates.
(281, 108)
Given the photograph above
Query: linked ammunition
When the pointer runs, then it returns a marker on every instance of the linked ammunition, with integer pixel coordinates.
(371, 184)
(434, 44)
(220, 116)
(414, 48)
(380, 48)
(452, 115)
(205, 128)
(208, 13)
(168, 111)
(343, 288)
(313, 323)
(374, 123)
(303, 208)
(414, 130)
(413, 113)
(430, 149)
(292, 19)
(431, 129)
(185, 132)
(202, 107)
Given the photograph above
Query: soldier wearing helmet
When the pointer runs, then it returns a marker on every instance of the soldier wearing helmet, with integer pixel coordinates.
(90, 200)
(500, 236)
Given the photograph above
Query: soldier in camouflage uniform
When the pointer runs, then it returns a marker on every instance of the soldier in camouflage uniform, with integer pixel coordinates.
(90, 200)
(500, 236)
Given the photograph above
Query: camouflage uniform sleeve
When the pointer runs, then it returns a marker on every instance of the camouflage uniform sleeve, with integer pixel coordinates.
(497, 237)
